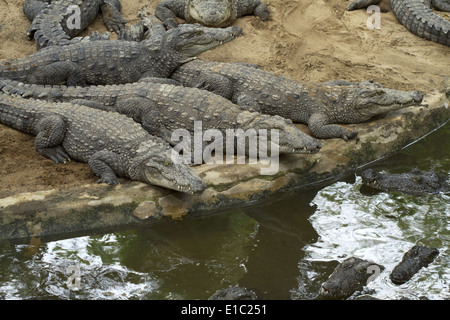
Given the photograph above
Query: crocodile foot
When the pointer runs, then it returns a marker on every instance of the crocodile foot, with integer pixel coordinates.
(112, 18)
(113, 181)
(57, 154)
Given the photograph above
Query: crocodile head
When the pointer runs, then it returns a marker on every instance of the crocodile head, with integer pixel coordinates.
(290, 139)
(371, 177)
(371, 99)
(349, 276)
(211, 13)
(193, 39)
(155, 166)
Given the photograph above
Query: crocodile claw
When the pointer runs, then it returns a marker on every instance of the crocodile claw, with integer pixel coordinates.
(113, 19)
(113, 181)
(57, 154)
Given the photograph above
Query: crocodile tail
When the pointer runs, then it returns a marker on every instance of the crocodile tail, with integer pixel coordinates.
(417, 17)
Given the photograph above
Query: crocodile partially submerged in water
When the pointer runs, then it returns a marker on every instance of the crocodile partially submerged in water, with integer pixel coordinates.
(415, 259)
(50, 19)
(112, 144)
(320, 106)
(163, 108)
(349, 276)
(416, 182)
(116, 61)
(211, 13)
(417, 17)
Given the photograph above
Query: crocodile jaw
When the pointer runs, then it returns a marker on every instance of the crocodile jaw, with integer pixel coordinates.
(378, 101)
(210, 13)
(292, 140)
(195, 39)
(179, 177)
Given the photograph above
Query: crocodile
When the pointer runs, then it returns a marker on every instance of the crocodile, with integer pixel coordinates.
(52, 23)
(416, 182)
(162, 108)
(211, 13)
(234, 293)
(418, 17)
(413, 260)
(112, 144)
(116, 61)
(321, 106)
(349, 276)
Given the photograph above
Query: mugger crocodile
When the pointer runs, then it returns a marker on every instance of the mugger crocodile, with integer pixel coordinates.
(349, 276)
(417, 17)
(112, 144)
(163, 108)
(413, 260)
(321, 106)
(116, 61)
(416, 182)
(50, 19)
(211, 13)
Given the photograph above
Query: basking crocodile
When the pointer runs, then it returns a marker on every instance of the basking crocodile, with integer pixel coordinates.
(349, 276)
(116, 61)
(52, 23)
(417, 17)
(415, 259)
(211, 13)
(320, 106)
(112, 144)
(416, 182)
(163, 108)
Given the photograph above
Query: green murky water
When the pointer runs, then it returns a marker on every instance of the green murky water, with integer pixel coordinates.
(283, 249)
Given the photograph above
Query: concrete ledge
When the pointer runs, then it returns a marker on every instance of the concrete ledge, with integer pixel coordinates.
(68, 211)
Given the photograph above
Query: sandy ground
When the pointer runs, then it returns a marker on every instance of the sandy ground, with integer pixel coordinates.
(306, 40)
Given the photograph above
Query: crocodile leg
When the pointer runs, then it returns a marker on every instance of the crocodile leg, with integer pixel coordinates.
(132, 33)
(214, 83)
(168, 10)
(61, 72)
(441, 5)
(112, 17)
(255, 7)
(31, 8)
(145, 112)
(102, 164)
(320, 128)
(49, 138)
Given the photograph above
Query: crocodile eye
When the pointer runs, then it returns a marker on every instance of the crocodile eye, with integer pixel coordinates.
(167, 163)
(380, 92)
(198, 32)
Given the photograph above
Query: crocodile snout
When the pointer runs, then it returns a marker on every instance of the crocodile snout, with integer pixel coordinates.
(314, 146)
(235, 31)
(418, 97)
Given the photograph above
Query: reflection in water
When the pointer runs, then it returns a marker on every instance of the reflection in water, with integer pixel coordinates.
(179, 260)
(284, 249)
(45, 275)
